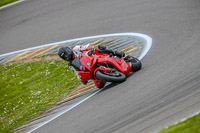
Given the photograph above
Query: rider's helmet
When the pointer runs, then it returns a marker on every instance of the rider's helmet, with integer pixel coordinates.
(66, 53)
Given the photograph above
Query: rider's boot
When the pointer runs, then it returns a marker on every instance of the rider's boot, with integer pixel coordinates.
(104, 49)
(119, 54)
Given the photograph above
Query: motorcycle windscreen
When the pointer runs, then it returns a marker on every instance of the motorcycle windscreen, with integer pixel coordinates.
(87, 62)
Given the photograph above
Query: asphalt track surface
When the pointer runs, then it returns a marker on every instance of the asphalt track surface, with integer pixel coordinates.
(165, 91)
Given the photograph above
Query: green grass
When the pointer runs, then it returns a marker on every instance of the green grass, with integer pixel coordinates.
(191, 125)
(27, 89)
(4, 2)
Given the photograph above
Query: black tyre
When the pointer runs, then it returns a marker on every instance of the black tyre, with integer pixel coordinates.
(136, 64)
(116, 77)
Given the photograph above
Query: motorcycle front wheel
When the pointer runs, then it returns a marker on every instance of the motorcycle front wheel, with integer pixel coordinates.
(136, 64)
(116, 77)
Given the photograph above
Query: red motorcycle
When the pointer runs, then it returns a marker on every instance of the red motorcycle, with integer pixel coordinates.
(104, 68)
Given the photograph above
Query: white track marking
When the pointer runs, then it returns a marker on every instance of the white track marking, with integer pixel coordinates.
(181, 120)
(148, 46)
(11, 4)
(149, 42)
(65, 111)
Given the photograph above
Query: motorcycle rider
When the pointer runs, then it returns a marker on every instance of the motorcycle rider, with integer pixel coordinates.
(73, 55)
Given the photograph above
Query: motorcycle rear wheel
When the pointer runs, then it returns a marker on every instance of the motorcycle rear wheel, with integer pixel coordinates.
(111, 78)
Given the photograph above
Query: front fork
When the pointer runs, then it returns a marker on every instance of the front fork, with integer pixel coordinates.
(99, 83)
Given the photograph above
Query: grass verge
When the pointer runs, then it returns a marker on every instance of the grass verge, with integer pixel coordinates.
(5, 2)
(191, 125)
(27, 89)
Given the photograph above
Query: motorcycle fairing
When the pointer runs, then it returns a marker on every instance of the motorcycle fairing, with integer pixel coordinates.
(87, 63)
(120, 64)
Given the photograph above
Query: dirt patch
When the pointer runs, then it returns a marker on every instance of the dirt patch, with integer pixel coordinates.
(34, 59)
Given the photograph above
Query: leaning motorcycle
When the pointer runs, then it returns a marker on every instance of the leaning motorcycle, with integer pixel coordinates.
(102, 68)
